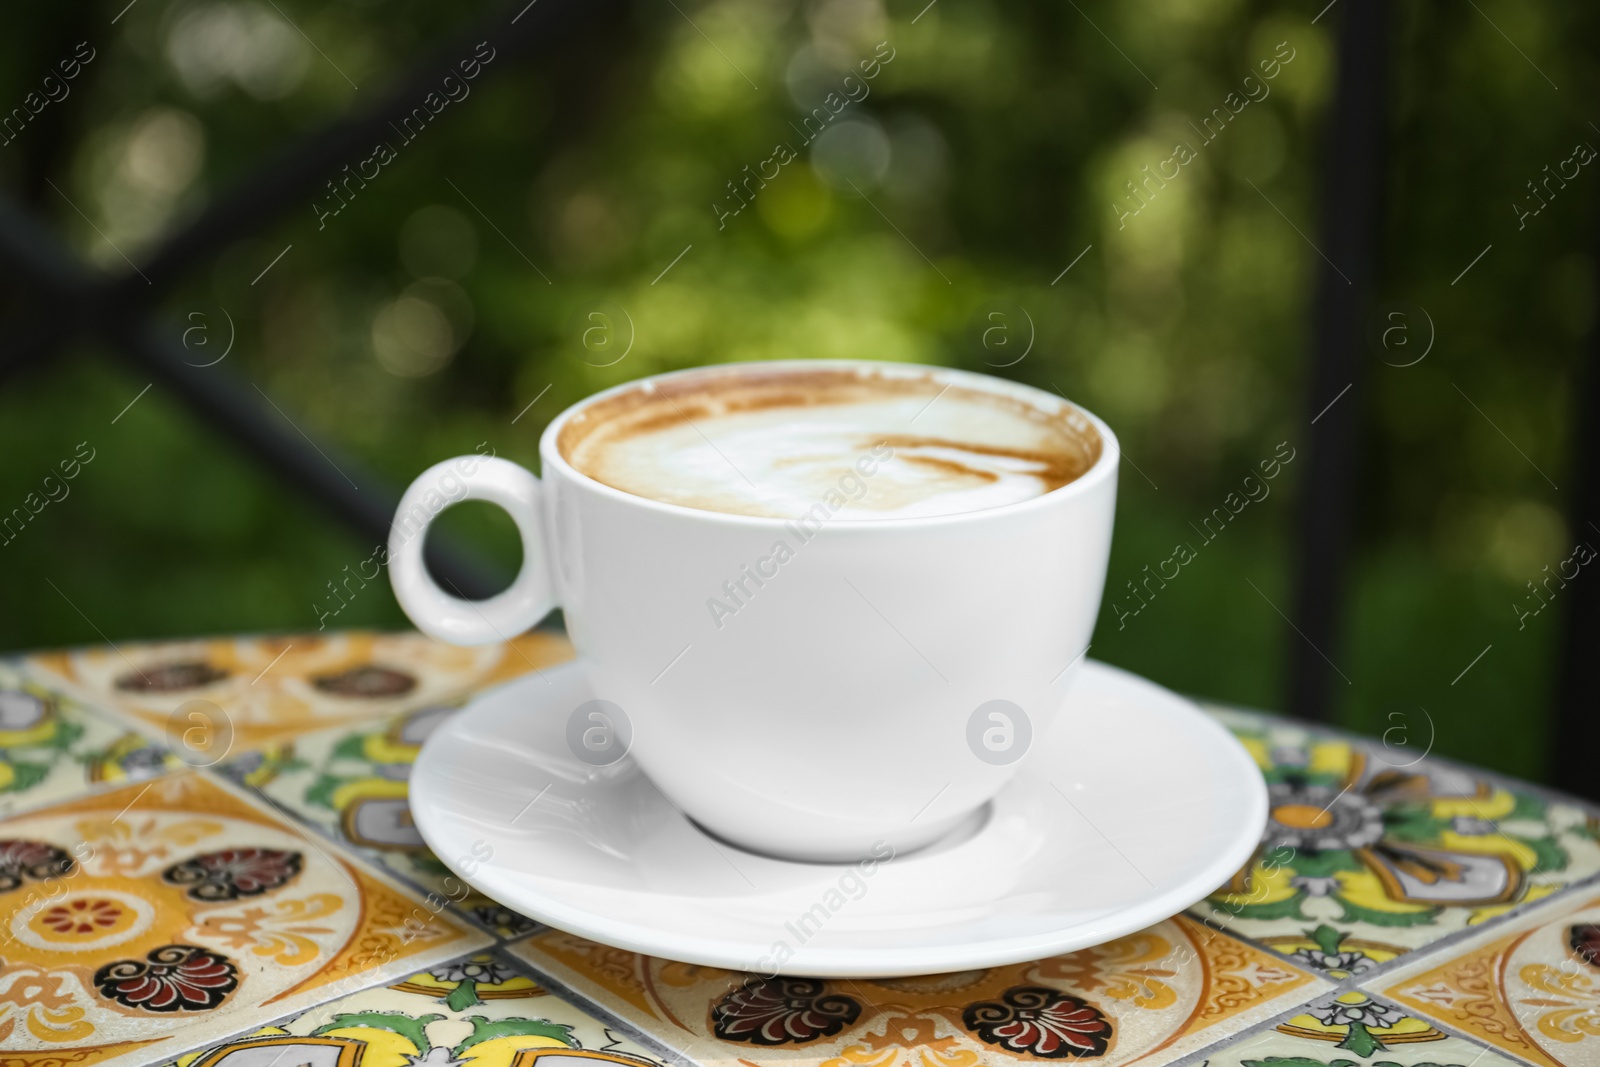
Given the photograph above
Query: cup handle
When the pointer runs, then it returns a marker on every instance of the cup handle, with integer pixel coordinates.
(438, 614)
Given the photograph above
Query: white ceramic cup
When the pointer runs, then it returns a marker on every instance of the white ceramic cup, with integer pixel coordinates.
(874, 688)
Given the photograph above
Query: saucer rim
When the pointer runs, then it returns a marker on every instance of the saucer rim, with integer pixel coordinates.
(1114, 922)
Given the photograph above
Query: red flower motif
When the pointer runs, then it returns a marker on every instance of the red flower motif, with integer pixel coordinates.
(30, 859)
(780, 1011)
(170, 978)
(1585, 942)
(82, 916)
(234, 872)
(1041, 1022)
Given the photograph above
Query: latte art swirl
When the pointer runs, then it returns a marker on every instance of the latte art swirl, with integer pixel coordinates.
(888, 444)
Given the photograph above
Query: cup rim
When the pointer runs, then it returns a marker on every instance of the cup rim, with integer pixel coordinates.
(1102, 469)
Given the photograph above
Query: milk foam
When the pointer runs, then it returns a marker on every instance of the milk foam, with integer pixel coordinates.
(867, 447)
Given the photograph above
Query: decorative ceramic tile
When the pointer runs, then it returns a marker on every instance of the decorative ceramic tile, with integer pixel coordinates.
(1530, 987)
(52, 747)
(1354, 1030)
(1371, 852)
(351, 782)
(479, 1011)
(1149, 998)
(164, 914)
(272, 688)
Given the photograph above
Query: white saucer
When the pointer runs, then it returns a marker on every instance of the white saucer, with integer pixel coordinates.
(1133, 807)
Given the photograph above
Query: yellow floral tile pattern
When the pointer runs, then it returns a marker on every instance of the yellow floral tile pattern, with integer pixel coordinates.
(352, 783)
(158, 914)
(1354, 1029)
(259, 690)
(482, 1010)
(53, 747)
(1148, 997)
(236, 916)
(1530, 987)
(1372, 850)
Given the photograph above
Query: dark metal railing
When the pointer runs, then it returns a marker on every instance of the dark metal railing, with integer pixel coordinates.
(69, 300)
(1352, 171)
(1575, 731)
(1347, 240)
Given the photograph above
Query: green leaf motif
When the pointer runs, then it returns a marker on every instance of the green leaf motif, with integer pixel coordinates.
(409, 1027)
(1322, 864)
(25, 776)
(1360, 1041)
(1288, 908)
(1355, 913)
(463, 996)
(67, 732)
(485, 1030)
(1551, 856)
(1528, 807)
(1279, 856)
(1413, 823)
(353, 747)
(1296, 774)
(321, 791)
(1327, 938)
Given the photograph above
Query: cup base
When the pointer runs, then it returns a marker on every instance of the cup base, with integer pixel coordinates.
(940, 835)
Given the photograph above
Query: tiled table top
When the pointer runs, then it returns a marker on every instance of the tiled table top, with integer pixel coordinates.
(206, 857)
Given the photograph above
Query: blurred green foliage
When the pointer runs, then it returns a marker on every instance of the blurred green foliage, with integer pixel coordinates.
(994, 149)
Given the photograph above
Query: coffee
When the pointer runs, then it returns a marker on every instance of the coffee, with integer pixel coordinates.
(883, 443)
